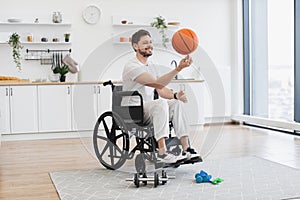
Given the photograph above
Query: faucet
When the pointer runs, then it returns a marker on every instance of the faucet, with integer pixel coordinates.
(174, 61)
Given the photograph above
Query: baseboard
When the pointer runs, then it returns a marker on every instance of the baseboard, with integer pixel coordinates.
(266, 122)
(218, 120)
(43, 136)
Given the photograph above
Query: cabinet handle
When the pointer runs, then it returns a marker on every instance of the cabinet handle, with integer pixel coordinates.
(68, 89)
(6, 92)
(11, 92)
(95, 90)
(98, 89)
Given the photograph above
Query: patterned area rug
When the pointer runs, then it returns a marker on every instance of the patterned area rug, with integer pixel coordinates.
(244, 178)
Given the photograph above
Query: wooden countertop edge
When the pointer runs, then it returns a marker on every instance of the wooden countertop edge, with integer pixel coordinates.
(3, 83)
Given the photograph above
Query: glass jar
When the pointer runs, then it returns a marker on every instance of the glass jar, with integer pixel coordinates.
(29, 37)
(56, 17)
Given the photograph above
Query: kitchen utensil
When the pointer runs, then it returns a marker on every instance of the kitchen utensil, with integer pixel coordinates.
(53, 62)
(72, 64)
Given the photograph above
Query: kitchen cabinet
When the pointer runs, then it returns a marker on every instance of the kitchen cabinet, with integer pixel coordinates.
(105, 99)
(4, 110)
(194, 108)
(54, 106)
(22, 109)
(85, 106)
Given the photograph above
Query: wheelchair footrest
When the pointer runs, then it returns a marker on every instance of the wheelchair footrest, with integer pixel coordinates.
(177, 164)
(193, 160)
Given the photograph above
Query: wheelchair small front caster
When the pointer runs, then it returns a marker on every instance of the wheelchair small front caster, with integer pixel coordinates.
(156, 180)
(136, 180)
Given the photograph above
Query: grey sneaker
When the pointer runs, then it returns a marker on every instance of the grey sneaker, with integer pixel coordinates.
(191, 154)
(170, 158)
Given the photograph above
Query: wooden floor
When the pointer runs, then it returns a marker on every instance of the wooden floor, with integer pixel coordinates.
(24, 165)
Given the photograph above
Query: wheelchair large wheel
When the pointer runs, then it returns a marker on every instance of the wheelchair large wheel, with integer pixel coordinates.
(111, 141)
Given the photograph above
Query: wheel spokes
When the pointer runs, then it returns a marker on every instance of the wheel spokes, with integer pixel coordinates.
(110, 142)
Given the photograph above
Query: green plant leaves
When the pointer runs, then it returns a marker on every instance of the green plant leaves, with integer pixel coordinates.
(159, 23)
(14, 42)
(62, 70)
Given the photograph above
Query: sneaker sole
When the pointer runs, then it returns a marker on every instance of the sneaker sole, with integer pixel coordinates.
(193, 160)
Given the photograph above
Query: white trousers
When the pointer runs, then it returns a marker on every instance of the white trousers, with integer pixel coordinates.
(161, 111)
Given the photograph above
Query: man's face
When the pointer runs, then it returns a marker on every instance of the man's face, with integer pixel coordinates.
(144, 46)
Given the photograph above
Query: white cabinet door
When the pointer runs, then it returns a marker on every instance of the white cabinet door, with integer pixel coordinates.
(4, 110)
(85, 106)
(194, 108)
(54, 105)
(105, 99)
(23, 109)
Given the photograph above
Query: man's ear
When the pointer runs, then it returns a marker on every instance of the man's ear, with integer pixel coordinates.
(135, 46)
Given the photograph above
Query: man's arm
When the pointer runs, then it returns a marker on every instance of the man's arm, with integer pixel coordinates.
(148, 80)
(169, 94)
(165, 93)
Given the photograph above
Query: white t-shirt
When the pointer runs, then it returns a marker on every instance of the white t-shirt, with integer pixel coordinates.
(131, 71)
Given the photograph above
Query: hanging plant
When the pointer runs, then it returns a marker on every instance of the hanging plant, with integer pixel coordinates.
(14, 42)
(160, 24)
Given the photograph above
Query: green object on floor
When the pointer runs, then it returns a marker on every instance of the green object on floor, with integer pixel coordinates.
(217, 181)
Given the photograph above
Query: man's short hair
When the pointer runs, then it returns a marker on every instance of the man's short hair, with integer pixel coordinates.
(137, 36)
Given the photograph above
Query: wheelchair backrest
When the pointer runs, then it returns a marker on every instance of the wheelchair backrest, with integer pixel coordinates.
(129, 113)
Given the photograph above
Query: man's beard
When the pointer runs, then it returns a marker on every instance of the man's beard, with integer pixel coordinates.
(144, 53)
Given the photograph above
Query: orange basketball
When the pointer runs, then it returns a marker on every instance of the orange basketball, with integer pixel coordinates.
(185, 41)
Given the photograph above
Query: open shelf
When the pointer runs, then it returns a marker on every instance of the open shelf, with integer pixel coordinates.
(42, 43)
(46, 43)
(137, 21)
(34, 24)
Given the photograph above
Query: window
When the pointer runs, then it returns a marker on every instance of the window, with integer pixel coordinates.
(269, 59)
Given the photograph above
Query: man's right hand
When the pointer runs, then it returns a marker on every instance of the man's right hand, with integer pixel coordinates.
(185, 62)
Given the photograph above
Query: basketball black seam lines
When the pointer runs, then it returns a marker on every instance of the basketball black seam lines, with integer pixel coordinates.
(192, 36)
(185, 43)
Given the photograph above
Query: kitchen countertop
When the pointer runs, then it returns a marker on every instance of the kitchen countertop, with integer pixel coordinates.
(27, 82)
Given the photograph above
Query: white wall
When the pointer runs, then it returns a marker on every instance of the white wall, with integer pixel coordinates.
(212, 20)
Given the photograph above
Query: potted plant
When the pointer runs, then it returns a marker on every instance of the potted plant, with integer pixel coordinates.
(62, 70)
(160, 24)
(67, 37)
(14, 42)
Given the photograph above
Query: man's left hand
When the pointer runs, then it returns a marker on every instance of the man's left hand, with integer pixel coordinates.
(181, 96)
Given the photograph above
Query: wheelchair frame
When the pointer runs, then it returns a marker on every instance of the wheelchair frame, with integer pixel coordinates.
(119, 126)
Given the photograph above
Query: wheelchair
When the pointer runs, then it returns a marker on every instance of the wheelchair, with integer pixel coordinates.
(114, 130)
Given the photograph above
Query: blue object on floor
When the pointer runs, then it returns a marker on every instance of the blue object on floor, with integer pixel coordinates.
(202, 177)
